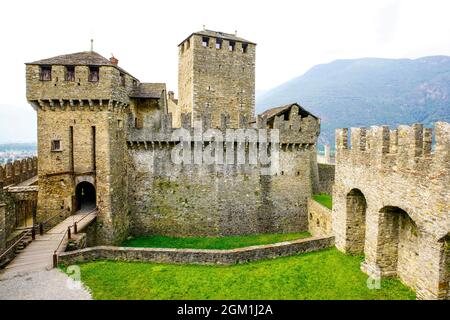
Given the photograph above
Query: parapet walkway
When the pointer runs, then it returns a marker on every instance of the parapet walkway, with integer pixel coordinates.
(38, 255)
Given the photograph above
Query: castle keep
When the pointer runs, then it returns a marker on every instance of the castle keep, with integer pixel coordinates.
(216, 74)
(105, 141)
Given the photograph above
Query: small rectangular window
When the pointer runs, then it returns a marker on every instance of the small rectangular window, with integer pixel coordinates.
(70, 73)
(244, 47)
(94, 74)
(56, 145)
(218, 43)
(134, 83)
(122, 79)
(205, 41)
(45, 73)
(138, 123)
(231, 46)
(188, 43)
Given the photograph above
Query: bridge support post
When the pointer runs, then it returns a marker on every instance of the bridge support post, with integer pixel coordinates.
(75, 228)
(55, 260)
(68, 233)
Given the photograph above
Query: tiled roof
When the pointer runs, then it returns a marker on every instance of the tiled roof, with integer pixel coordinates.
(219, 34)
(85, 58)
(148, 90)
(79, 58)
(272, 112)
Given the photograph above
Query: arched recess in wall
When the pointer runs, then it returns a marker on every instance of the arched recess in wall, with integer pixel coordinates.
(356, 221)
(444, 279)
(398, 244)
(85, 196)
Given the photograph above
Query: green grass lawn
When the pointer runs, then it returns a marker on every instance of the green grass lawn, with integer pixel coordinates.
(326, 274)
(222, 243)
(324, 199)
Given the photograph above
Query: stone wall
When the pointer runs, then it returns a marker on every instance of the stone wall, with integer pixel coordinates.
(319, 219)
(8, 223)
(174, 110)
(217, 199)
(326, 178)
(391, 201)
(197, 256)
(216, 80)
(107, 88)
(2, 227)
(93, 150)
(18, 171)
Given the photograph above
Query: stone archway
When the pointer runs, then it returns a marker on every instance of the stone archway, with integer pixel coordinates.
(398, 245)
(356, 206)
(85, 196)
(444, 278)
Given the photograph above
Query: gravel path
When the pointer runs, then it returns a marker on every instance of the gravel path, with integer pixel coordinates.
(42, 285)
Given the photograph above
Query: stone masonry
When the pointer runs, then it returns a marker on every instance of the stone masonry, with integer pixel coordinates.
(104, 139)
(319, 219)
(221, 199)
(391, 202)
(216, 74)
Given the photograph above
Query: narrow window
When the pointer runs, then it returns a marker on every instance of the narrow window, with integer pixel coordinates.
(70, 73)
(72, 164)
(134, 83)
(93, 74)
(138, 123)
(122, 79)
(218, 43)
(244, 47)
(56, 145)
(94, 149)
(231, 46)
(188, 43)
(45, 73)
(205, 41)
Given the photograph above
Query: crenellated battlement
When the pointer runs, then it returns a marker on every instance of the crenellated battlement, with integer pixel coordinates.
(406, 147)
(18, 171)
(296, 130)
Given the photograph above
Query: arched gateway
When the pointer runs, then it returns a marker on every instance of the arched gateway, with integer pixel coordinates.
(85, 196)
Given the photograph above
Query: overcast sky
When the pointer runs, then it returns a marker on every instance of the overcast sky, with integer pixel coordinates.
(292, 36)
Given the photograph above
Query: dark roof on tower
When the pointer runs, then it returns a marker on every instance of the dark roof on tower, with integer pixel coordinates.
(148, 90)
(85, 58)
(219, 34)
(277, 111)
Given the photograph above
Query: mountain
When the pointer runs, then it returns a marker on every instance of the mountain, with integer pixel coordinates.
(369, 91)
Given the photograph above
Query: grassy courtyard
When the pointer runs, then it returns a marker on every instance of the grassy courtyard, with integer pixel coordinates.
(221, 243)
(324, 199)
(326, 274)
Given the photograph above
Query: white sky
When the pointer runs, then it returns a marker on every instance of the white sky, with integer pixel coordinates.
(292, 35)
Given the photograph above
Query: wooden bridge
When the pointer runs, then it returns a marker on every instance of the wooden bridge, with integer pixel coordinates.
(41, 253)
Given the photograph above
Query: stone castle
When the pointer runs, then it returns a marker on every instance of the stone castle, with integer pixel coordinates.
(106, 142)
(104, 137)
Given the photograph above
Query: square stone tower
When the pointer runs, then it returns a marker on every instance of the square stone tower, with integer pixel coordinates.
(216, 74)
(82, 103)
